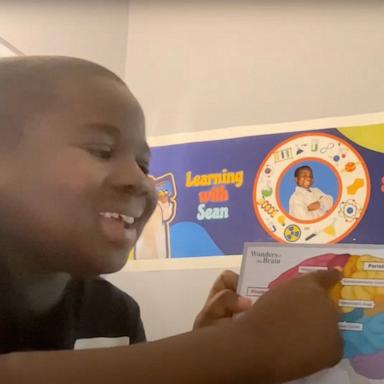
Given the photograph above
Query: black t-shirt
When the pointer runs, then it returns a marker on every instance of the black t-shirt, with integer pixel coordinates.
(89, 308)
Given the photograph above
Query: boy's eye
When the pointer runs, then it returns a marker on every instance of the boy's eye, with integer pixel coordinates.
(144, 166)
(101, 151)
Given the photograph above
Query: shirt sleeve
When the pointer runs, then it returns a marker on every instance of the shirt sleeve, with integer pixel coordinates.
(134, 323)
(138, 335)
(326, 201)
(298, 209)
(106, 311)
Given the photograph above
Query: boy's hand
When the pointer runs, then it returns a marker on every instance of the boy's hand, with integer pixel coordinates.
(222, 302)
(296, 327)
(314, 206)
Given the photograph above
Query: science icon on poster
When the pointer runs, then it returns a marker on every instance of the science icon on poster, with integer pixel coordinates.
(311, 188)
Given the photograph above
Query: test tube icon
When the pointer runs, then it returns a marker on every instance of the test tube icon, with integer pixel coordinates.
(283, 154)
(271, 226)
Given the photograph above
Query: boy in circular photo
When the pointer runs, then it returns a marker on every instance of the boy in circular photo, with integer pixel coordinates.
(308, 202)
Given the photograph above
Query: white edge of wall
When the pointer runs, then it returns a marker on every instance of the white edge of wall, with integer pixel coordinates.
(251, 130)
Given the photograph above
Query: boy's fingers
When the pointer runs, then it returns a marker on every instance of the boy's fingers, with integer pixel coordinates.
(243, 303)
(226, 280)
(327, 279)
(225, 303)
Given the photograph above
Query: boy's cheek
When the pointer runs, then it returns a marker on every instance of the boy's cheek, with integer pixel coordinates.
(151, 186)
(152, 194)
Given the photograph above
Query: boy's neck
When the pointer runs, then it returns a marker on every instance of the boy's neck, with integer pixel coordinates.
(31, 291)
(307, 189)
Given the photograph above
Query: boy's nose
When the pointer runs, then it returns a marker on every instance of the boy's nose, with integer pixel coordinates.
(130, 178)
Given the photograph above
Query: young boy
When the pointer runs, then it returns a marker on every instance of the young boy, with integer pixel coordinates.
(307, 202)
(74, 198)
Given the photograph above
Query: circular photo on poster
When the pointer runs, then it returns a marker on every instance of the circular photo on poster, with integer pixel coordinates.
(308, 190)
(311, 188)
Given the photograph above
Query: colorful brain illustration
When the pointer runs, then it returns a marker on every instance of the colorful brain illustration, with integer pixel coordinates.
(360, 297)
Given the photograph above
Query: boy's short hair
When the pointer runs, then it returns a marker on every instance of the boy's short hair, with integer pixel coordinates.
(297, 171)
(29, 84)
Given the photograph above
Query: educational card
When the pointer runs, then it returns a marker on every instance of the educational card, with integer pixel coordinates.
(359, 295)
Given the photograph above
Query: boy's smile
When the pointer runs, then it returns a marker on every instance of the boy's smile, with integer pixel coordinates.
(305, 178)
(118, 227)
(77, 184)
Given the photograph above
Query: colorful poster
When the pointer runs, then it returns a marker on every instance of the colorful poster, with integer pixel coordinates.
(359, 296)
(306, 187)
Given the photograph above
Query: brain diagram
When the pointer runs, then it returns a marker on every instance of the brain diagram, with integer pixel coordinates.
(360, 296)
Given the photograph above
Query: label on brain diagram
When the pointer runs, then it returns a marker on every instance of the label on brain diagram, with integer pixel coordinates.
(359, 296)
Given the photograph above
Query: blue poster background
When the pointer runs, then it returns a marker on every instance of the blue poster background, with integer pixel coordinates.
(190, 237)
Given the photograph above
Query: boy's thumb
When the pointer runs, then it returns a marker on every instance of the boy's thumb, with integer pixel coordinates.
(327, 278)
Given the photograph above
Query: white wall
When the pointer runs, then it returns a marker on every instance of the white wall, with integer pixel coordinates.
(212, 64)
(169, 300)
(95, 30)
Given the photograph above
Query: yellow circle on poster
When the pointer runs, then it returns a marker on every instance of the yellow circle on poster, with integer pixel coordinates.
(292, 233)
(368, 136)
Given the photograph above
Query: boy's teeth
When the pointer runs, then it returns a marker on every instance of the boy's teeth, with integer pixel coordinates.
(128, 219)
(115, 215)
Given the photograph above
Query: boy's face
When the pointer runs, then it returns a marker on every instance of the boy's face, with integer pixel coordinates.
(75, 194)
(304, 178)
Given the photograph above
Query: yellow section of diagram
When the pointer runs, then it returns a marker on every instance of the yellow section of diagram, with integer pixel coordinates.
(362, 268)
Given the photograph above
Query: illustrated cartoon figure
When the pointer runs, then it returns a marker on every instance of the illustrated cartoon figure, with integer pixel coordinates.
(308, 202)
(154, 241)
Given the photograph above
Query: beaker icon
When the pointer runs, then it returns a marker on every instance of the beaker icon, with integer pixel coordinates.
(314, 145)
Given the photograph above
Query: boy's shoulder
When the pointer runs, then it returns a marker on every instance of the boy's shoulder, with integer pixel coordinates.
(103, 310)
(297, 193)
(98, 291)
